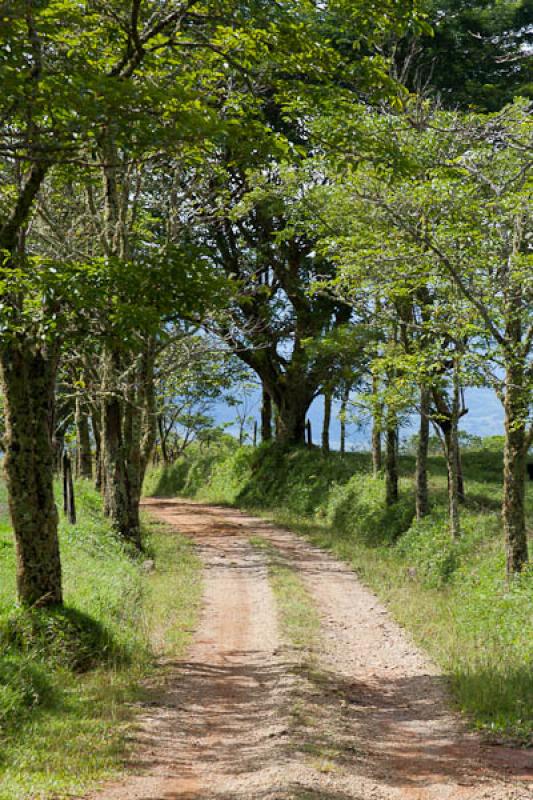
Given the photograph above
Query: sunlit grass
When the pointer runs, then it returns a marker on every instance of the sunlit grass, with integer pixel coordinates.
(61, 729)
(299, 620)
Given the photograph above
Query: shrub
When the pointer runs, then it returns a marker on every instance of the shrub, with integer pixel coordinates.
(63, 637)
(358, 509)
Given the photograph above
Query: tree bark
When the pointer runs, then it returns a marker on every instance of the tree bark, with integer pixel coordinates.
(391, 461)
(28, 378)
(450, 428)
(327, 420)
(292, 406)
(266, 417)
(343, 411)
(117, 493)
(447, 419)
(450, 445)
(129, 423)
(163, 439)
(69, 499)
(377, 459)
(422, 502)
(84, 462)
(377, 414)
(97, 435)
(514, 470)
(460, 478)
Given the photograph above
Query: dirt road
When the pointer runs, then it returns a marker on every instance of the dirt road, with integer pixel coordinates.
(243, 717)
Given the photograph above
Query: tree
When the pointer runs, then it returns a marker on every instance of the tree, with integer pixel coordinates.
(478, 55)
(452, 210)
(193, 374)
(272, 322)
(58, 81)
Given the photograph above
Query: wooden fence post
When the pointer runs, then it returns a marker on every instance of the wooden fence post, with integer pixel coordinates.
(69, 501)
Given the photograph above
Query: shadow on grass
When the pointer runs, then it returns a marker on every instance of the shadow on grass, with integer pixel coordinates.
(61, 636)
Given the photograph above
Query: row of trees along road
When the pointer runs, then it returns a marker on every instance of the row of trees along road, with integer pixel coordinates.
(101, 105)
(259, 169)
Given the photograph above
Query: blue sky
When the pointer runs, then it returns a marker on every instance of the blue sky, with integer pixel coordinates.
(484, 418)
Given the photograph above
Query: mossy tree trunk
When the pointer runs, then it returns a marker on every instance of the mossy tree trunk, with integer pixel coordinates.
(514, 469)
(141, 424)
(377, 424)
(113, 454)
(451, 447)
(84, 458)
(129, 423)
(391, 459)
(117, 492)
(28, 380)
(266, 417)
(447, 418)
(343, 413)
(326, 424)
(97, 436)
(292, 403)
(422, 499)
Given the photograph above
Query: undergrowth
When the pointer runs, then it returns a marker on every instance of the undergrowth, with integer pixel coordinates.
(452, 596)
(69, 677)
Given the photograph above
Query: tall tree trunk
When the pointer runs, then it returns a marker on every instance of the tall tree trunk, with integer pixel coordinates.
(450, 446)
(129, 427)
(69, 499)
(28, 379)
(343, 411)
(84, 462)
(117, 494)
(450, 428)
(514, 469)
(327, 420)
(163, 439)
(97, 435)
(58, 446)
(292, 409)
(448, 414)
(377, 458)
(149, 403)
(422, 503)
(377, 422)
(460, 478)
(391, 461)
(266, 417)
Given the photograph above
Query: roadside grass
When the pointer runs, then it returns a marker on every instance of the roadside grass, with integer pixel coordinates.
(452, 596)
(299, 620)
(173, 590)
(300, 627)
(70, 679)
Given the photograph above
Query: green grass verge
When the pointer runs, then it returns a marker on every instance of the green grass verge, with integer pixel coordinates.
(69, 679)
(453, 597)
(299, 620)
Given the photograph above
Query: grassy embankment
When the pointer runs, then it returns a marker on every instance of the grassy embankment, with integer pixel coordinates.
(452, 596)
(69, 678)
